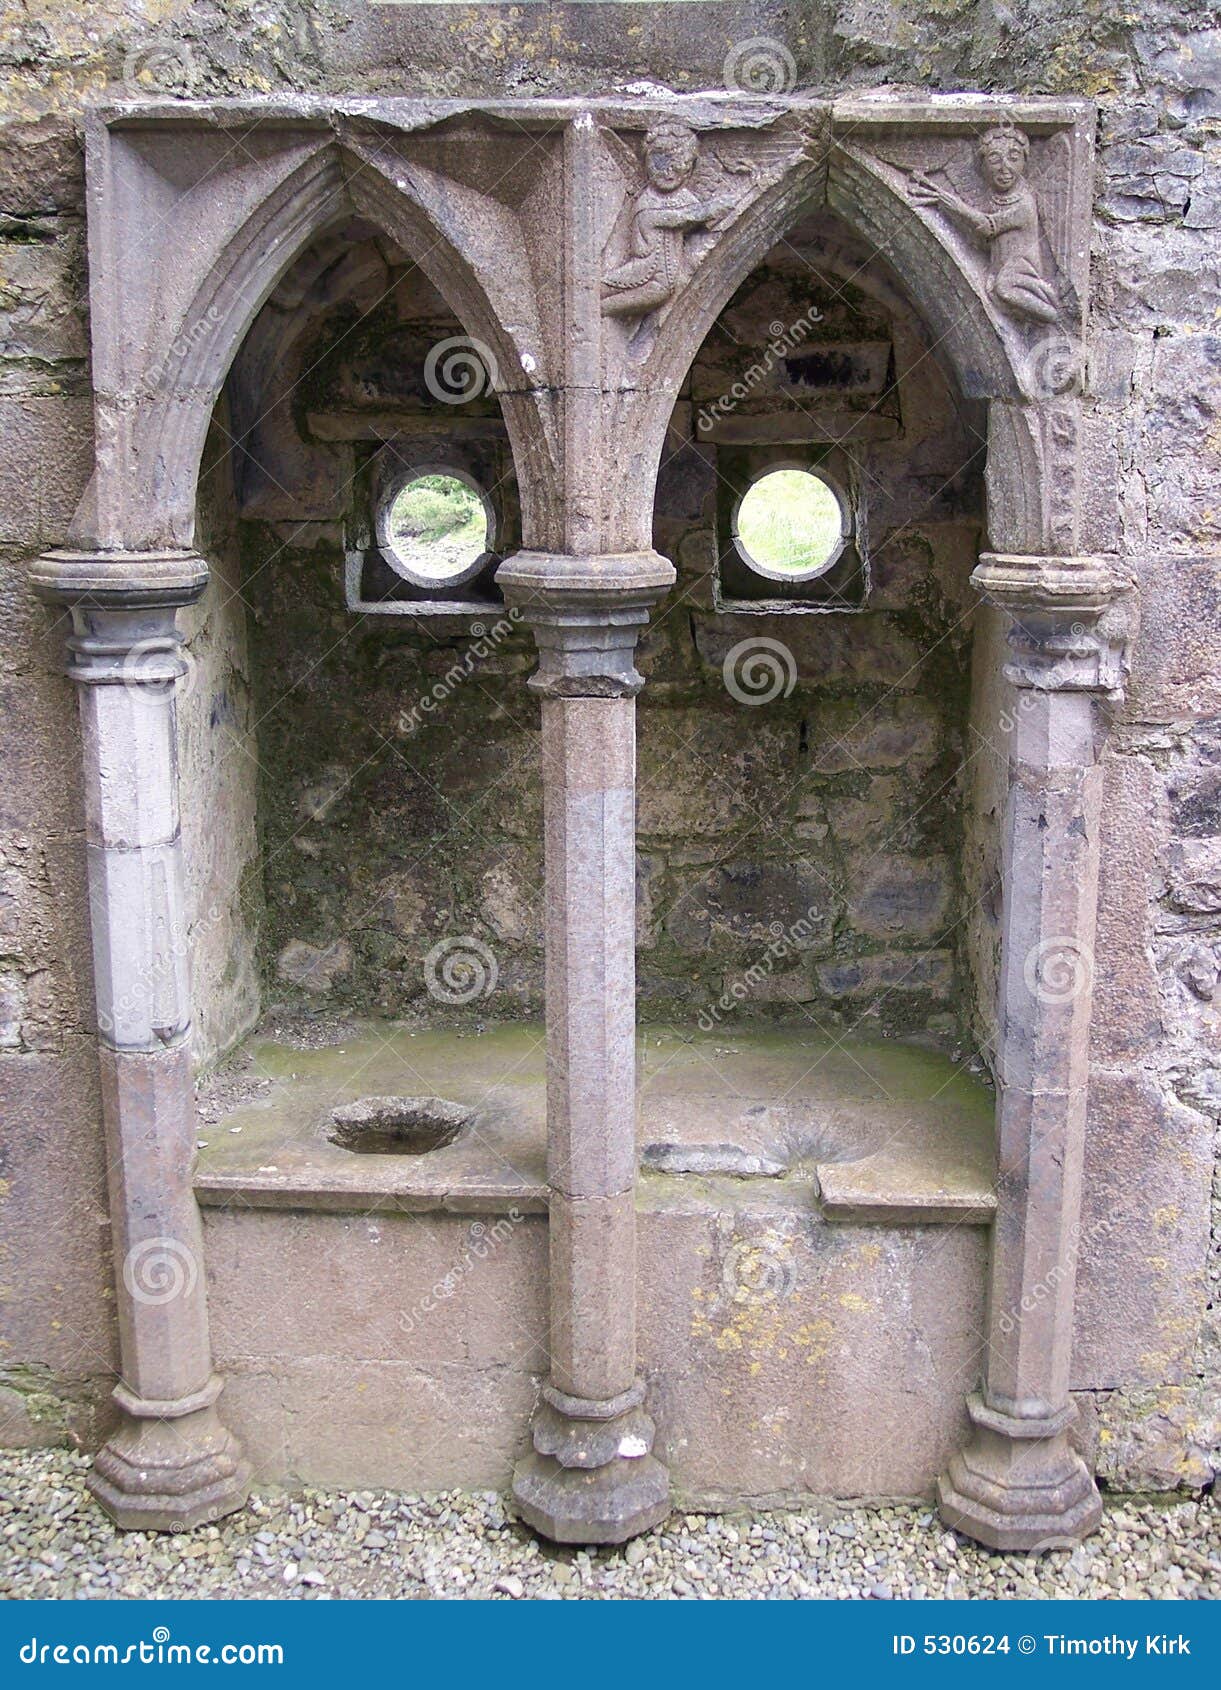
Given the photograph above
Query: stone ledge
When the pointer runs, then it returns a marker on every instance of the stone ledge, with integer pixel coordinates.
(884, 1133)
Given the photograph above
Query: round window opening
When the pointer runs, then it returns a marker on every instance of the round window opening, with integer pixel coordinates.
(791, 525)
(435, 529)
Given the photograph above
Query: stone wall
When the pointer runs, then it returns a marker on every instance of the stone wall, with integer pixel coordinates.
(1147, 1345)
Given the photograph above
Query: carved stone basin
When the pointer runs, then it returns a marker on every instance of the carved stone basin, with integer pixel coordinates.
(398, 1126)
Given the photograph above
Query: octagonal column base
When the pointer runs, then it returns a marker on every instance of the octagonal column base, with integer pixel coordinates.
(1019, 1484)
(592, 1477)
(168, 1473)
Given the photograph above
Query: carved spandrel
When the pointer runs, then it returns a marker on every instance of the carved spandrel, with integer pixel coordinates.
(1004, 221)
(1003, 200)
(683, 190)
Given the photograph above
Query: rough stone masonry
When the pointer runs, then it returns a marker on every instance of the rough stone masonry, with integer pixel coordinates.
(318, 868)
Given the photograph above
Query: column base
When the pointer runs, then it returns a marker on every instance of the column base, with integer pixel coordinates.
(1019, 1484)
(591, 1477)
(169, 1473)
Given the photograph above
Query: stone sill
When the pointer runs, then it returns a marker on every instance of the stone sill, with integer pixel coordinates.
(874, 1132)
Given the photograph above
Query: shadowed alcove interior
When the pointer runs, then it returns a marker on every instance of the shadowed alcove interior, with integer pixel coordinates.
(810, 835)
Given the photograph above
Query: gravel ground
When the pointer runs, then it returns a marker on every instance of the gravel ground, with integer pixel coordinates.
(55, 1542)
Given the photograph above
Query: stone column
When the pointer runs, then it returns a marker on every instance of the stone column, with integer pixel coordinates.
(591, 1477)
(1019, 1483)
(170, 1464)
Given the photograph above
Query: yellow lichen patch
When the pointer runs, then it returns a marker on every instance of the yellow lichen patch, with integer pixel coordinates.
(858, 1305)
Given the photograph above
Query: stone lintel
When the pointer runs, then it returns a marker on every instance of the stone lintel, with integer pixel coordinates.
(881, 107)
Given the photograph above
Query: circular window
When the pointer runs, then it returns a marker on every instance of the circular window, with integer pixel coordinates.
(791, 525)
(435, 529)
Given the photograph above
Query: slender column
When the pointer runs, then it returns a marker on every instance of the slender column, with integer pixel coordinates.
(1019, 1483)
(591, 1476)
(170, 1464)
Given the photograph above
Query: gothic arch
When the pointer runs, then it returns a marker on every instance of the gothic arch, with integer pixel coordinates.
(152, 435)
(984, 356)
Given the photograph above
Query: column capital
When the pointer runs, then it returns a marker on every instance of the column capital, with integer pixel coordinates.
(118, 581)
(586, 614)
(1071, 619)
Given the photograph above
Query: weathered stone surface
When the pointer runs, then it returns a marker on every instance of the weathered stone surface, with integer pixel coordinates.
(745, 905)
(58, 1313)
(41, 308)
(1163, 1439)
(315, 968)
(895, 971)
(46, 452)
(1140, 1305)
(443, 1402)
(41, 166)
(1127, 1017)
(1174, 669)
(892, 896)
(891, 734)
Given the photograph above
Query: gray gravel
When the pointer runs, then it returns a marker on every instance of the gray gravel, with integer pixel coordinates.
(55, 1542)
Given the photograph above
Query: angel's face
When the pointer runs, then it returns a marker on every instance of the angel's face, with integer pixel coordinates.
(669, 161)
(1004, 164)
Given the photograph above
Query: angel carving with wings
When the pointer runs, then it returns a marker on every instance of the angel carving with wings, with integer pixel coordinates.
(666, 211)
(1008, 227)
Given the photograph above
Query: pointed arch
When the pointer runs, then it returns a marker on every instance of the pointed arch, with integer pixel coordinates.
(976, 347)
(148, 485)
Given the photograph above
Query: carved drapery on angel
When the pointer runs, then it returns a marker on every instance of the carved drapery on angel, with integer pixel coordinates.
(1007, 225)
(687, 199)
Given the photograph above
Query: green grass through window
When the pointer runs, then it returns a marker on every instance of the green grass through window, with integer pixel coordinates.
(790, 522)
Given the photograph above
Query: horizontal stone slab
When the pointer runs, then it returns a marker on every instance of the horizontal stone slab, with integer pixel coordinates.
(884, 1131)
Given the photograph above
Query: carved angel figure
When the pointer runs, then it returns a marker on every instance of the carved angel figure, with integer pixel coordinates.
(666, 210)
(1008, 227)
